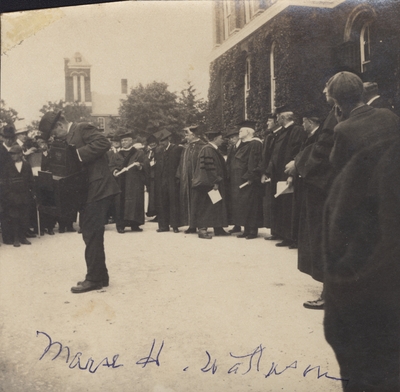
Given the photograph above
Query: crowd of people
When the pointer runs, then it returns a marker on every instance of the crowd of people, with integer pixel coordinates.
(326, 187)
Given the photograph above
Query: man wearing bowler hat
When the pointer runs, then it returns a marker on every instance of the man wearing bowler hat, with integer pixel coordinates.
(91, 148)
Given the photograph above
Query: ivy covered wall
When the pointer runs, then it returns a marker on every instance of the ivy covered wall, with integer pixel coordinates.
(308, 50)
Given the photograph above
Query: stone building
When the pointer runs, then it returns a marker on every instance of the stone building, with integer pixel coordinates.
(104, 107)
(273, 52)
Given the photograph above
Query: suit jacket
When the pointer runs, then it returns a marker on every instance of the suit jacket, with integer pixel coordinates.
(92, 147)
(381, 103)
(364, 127)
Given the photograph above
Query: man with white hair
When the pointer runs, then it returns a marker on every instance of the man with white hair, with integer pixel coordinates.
(245, 184)
(287, 144)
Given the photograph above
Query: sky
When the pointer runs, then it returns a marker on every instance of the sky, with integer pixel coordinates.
(142, 41)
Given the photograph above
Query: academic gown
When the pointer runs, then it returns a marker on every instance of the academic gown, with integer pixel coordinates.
(247, 201)
(130, 202)
(210, 170)
(185, 174)
(167, 186)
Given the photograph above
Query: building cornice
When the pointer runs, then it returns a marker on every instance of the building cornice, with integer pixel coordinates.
(265, 17)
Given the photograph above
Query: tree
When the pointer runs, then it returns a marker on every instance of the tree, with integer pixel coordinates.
(149, 108)
(73, 112)
(193, 109)
(8, 115)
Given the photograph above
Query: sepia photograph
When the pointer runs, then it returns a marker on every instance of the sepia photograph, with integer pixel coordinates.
(200, 196)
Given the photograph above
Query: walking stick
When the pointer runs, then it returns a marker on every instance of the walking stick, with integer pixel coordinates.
(38, 219)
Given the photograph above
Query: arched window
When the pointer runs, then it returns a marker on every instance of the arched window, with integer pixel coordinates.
(247, 79)
(365, 47)
(272, 75)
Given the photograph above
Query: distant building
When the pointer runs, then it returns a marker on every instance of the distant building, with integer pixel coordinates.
(273, 52)
(78, 89)
(77, 80)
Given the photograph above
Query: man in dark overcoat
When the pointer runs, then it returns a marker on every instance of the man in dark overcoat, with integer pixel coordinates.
(166, 184)
(8, 139)
(312, 171)
(91, 148)
(245, 182)
(362, 269)
(361, 251)
(210, 176)
(288, 141)
(185, 174)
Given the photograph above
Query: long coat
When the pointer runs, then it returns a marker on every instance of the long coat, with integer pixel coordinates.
(247, 201)
(210, 170)
(287, 145)
(230, 155)
(185, 174)
(313, 166)
(130, 203)
(167, 186)
(362, 269)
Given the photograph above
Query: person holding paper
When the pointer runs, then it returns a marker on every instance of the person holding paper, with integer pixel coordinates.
(245, 182)
(129, 166)
(287, 144)
(209, 188)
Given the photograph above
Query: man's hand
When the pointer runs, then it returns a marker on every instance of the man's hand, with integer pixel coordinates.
(215, 187)
(290, 168)
(289, 181)
(264, 178)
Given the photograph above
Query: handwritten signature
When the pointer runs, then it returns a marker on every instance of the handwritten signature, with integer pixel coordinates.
(75, 362)
(243, 364)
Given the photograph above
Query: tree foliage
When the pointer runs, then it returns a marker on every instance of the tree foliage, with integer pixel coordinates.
(73, 112)
(193, 108)
(150, 108)
(8, 115)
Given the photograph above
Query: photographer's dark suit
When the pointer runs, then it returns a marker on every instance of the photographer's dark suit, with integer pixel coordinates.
(92, 146)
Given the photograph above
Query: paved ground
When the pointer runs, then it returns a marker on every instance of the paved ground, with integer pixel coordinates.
(221, 315)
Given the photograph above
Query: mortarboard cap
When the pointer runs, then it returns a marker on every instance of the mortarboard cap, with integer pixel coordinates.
(162, 135)
(247, 124)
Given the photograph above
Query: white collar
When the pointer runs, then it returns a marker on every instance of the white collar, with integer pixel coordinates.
(277, 129)
(314, 130)
(216, 147)
(373, 99)
(288, 124)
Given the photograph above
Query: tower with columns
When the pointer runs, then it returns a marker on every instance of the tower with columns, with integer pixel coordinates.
(77, 80)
